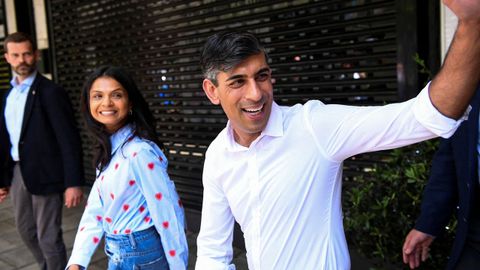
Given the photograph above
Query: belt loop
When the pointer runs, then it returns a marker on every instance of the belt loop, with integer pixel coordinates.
(132, 240)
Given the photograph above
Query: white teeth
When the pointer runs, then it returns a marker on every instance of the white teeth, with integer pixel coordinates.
(107, 112)
(253, 110)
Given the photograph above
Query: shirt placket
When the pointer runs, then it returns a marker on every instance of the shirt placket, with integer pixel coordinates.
(253, 176)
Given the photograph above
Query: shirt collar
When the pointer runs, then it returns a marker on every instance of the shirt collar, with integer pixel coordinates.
(120, 136)
(26, 84)
(274, 128)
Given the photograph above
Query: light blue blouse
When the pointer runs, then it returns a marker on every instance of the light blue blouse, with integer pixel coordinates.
(132, 194)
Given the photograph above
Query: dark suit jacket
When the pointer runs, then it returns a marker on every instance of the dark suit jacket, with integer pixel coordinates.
(49, 147)
(453, 183)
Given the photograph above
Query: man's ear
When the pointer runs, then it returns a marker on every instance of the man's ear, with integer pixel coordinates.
(211, 91)
(37, 55)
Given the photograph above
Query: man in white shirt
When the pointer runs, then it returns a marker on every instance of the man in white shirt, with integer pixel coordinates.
(277, 170)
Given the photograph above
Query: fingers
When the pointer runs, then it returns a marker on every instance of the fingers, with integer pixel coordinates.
(412, 259)
(412, 250)
(73, 196)
(68, 201)
(416, 248)
(425, 251)
(73, 201)
(409, 246)
(416, 258)
(3, 194)
(406, 251)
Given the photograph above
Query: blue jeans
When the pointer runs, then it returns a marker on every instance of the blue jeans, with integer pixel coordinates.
(136, 251)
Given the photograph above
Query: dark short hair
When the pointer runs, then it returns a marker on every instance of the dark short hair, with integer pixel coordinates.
(18, 37)
(224, 50)
(141, 118)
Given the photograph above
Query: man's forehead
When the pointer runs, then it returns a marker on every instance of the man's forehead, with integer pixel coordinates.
(251, 65)
(20, 45)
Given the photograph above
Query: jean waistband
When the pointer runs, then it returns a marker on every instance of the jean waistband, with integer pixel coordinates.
(134, 237)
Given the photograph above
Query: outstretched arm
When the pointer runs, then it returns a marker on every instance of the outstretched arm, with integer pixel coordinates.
(455, 84)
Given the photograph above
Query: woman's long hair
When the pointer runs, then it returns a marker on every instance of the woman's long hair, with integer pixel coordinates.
(140, 117)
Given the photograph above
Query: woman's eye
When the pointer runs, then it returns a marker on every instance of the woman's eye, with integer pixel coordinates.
(117, 95)
(96, 97)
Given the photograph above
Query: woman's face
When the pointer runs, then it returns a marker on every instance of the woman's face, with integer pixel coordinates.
(109, 103)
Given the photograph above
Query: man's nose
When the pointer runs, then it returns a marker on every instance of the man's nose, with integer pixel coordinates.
(253, 91)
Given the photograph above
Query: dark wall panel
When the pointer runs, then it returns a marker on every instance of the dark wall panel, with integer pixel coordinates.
(335, 51)
(5, 73)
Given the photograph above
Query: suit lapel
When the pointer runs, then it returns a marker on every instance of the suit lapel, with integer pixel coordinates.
(32, 93)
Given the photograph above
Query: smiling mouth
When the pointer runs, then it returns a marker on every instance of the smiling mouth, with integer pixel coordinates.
(108, 113)
(254, 110)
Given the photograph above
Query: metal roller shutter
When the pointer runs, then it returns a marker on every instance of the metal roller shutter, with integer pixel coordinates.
(336, 51)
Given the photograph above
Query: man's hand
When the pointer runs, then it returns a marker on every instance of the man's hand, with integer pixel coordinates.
(73, 196)
(3, 193)
(464, 9)
(416, 247)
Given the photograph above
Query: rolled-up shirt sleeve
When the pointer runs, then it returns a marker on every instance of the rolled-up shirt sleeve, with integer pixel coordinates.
(432, 119)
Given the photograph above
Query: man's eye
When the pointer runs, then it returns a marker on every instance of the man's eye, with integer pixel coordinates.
(237, 83)
(263, 77)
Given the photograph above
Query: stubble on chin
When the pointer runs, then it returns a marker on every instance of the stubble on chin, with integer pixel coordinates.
(25, 70)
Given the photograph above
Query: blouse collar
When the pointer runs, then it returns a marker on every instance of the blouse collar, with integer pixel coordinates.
(120, 136)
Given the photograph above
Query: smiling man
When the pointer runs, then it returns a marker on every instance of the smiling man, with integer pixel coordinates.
(245, 94)
(277, 170)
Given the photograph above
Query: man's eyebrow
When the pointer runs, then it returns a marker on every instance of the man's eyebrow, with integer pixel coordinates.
(239, 76)
(266, 69)
(236, 76)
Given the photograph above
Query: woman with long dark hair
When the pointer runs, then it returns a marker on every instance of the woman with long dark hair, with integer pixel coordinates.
(132, 202)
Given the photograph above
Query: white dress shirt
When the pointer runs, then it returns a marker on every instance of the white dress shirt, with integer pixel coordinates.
(133, 194)
(285, 189)
(15, 109)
